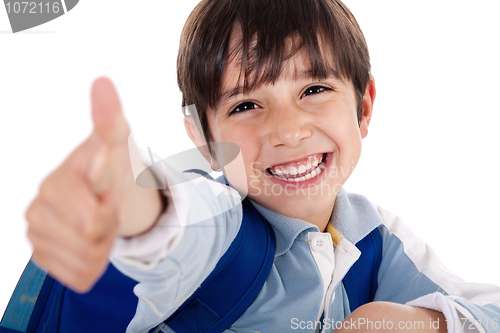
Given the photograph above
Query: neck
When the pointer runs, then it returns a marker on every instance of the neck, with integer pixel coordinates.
(322, 219)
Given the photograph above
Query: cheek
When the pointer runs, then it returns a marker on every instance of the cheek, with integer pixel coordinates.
(350, 149)
(244, 137)
(340, 125)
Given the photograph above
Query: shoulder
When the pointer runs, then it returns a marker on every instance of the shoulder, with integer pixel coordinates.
(390, 220)
(393, 227)
(396, 234)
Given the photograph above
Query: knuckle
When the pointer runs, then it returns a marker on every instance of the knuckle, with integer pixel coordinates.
(37, 240)
(48, 187)
(36, 216)
(31, 235)
(32, 212)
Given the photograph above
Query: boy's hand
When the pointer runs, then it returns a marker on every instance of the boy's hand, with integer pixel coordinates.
(384, 317)
(90, 199)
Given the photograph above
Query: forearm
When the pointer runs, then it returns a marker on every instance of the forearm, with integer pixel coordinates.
(141, 210)
(411, 273)
(142, 202)
(393, 317)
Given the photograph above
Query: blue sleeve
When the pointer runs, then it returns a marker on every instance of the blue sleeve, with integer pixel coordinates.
(410, 270)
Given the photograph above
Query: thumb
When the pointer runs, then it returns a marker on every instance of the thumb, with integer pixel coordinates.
(111, 133)
(109, 124)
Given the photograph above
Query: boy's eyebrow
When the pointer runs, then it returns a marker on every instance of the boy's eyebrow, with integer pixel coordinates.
(302, 75)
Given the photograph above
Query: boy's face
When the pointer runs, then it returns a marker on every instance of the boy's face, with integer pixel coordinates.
(284, 130)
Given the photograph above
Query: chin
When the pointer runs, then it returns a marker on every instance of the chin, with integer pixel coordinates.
(304, 208)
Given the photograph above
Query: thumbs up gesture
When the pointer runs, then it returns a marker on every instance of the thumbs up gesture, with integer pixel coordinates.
(90, 199)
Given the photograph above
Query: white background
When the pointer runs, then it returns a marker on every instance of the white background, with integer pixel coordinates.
(431, 155)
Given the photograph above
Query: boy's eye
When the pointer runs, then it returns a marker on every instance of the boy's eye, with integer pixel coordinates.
(314, 90)
(245, 106)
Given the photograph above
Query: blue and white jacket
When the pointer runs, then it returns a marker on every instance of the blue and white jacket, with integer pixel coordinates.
(305, 284)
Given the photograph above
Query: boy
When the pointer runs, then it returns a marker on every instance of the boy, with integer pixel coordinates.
(288, 83)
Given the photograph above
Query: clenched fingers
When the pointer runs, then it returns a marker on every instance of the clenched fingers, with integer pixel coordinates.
(70, 256)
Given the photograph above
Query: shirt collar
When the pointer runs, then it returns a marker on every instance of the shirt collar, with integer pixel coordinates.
(353, 216)
(286, 229)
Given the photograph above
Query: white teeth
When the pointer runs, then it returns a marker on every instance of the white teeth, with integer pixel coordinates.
(293, 170)
(282, 173)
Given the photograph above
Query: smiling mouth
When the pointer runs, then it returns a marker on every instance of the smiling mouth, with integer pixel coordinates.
(301, 171)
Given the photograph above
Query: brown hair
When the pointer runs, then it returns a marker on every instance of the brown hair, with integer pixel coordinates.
(325, 28)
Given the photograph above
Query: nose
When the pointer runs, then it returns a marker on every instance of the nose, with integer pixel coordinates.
(290, 125)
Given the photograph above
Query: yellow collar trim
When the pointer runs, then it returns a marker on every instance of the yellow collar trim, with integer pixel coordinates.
(336, 236)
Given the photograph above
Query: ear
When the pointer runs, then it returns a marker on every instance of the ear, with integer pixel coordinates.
(199, 140)
(368, 100)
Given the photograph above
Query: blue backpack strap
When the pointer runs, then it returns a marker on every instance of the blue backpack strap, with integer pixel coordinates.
(40, 304)
(234, 283)
(360, 282)
(26, 305)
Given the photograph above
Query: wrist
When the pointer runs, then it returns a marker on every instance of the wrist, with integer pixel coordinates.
(141, 209)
